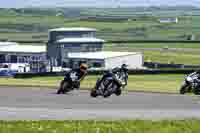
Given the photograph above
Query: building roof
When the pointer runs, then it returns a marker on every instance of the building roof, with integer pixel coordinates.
(15, 47)
(79, 40)
(73, 29)
(7, 43)
(168, 19)
(99, 55)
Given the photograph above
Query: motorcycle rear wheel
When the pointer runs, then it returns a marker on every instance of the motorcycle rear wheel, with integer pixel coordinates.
(60, 90)
(93, 93)
(107, 94)
(64, 88)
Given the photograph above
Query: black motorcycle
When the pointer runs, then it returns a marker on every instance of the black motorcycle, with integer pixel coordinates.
(190, 84)
(69, 83)
(110, 83)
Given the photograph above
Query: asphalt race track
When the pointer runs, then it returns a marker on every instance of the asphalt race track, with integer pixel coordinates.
(44, 104)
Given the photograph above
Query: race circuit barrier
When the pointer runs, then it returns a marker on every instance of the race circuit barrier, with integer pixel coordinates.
(99, 72)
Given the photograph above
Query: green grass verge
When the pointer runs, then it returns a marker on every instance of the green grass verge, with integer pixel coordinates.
(156, 45)
(163, 56)
(187, 58)
(136, 126)
(152, 83)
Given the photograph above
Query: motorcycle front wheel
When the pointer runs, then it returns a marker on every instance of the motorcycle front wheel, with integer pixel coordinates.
(118, 92)
(93, 93)
(64, 87)
(196, 91)
(183, 89)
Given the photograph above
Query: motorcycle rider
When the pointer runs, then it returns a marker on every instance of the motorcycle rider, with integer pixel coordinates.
(198, 76)
(123, 69)
(80, 72)
(112, 73)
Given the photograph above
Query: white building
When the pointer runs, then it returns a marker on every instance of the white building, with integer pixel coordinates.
(23, 58)
(168, 20)
(108, 60)
(68, 47)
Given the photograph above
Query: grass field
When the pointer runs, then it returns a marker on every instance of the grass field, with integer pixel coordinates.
(188, 58)
(135, 126)
(152, 83)
(163, 56)
(140, 28)
(156, 45)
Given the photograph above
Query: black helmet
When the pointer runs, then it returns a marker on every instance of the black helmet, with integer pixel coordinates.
(124, 67)
(198, 71)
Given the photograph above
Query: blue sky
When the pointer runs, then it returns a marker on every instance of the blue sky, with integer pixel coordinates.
(95, 3)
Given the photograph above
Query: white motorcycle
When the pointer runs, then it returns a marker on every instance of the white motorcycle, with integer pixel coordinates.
(191, 84)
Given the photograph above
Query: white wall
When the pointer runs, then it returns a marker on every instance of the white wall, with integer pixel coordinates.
(133, 61)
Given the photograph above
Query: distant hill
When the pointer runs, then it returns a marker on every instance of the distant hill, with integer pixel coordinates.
(95, 3)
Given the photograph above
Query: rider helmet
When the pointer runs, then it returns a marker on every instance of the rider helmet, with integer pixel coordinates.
(198, 71)
(83, 67)
(124, 67)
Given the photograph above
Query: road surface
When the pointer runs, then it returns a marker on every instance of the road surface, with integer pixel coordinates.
(44, 104)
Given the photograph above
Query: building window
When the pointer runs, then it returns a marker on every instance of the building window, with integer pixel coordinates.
(13, 58)
(64, 64)
(60, 37)
(97, 64)
(36, 58)
(20, 60)
(2, 59)
(88, 35)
